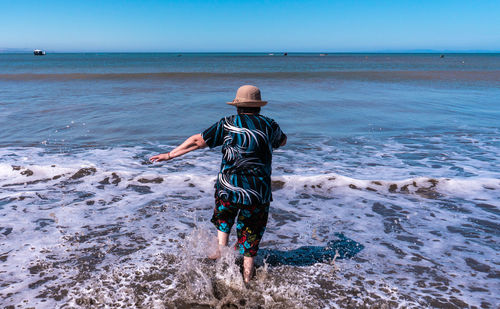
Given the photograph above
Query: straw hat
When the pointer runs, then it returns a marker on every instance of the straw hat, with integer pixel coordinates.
(248, 96)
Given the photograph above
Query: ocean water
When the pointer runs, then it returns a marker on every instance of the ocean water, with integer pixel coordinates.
(386, 194)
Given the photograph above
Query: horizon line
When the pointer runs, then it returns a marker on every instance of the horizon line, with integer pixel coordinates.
(412, 51)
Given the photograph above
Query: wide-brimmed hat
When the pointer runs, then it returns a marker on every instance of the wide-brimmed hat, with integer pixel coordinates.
(248, 96)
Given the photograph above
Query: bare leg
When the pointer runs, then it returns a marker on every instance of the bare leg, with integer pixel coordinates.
(248, 263)
(222, 237)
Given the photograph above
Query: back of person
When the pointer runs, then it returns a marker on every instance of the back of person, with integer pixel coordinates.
(247, 143)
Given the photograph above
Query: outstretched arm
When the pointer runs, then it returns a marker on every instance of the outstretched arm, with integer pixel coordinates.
(192, 143)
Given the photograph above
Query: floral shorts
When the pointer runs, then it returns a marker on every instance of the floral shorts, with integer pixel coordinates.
(250, 226)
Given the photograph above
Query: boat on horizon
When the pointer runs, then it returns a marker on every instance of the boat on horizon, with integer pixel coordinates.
(39, 52)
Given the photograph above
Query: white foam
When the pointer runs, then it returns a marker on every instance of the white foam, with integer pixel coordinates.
(435, 224)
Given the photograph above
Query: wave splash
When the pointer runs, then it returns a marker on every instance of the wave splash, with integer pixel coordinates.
(24, 176)
(84, 230)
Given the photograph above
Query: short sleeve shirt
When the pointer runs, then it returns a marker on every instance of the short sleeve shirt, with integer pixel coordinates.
(247, 145)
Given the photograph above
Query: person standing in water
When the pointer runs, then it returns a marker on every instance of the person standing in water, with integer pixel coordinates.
(243, 185)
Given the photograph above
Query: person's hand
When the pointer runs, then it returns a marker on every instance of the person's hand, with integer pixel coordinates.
(160, 157)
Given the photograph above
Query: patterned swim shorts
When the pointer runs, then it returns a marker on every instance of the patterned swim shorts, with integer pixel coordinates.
(250, 226)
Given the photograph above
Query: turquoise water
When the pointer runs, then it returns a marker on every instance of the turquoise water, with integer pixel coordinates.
(398, 152)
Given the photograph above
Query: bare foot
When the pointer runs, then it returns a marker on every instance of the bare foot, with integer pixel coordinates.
(248, 268)
(248, 276)
(214, 256)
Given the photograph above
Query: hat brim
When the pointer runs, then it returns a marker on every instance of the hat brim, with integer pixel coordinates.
(248, 103)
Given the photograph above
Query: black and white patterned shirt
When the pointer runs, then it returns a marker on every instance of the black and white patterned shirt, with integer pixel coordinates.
(247, 144)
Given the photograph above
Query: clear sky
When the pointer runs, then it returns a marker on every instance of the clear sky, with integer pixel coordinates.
(274, 25)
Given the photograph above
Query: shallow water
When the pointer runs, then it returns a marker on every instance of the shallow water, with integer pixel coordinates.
(399, 153)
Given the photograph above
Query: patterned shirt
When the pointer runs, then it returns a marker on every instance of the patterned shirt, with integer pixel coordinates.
(247, 144)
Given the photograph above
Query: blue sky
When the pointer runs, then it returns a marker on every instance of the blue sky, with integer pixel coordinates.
(250, 26)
